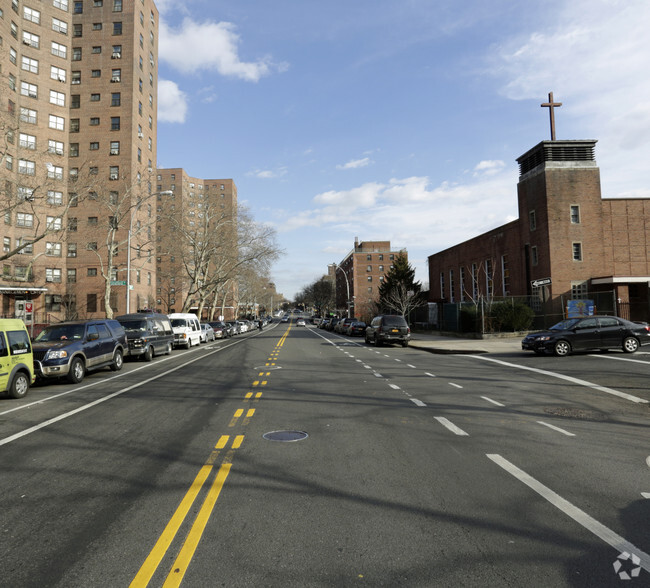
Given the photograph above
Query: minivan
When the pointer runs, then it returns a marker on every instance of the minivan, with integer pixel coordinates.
(148, 334)
(16, 358)
(187, 330)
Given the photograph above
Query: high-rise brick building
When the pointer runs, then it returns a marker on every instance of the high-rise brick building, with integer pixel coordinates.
(568, 243)
(196, 232)
(78, 107)
(359, 275)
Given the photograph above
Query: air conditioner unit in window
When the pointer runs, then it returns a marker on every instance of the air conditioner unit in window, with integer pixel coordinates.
(116, 55)
(113, 177)
(140, 136)
(115, 79)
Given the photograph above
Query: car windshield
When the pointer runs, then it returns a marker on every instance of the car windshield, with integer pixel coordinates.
(565, 325)
(61, 333)
(135, 325)
(177, 322)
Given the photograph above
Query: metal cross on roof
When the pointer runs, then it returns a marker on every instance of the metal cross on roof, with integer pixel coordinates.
(551, 105)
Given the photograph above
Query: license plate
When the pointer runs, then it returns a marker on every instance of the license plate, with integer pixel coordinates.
(394, 330)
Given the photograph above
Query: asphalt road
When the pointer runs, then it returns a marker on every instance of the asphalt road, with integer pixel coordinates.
(415, 469)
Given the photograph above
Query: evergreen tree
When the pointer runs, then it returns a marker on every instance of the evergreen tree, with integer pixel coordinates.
(400, 293)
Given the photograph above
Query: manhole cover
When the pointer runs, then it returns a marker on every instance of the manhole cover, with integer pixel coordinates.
(286, 436)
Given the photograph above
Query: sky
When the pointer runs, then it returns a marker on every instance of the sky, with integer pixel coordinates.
(395, 120)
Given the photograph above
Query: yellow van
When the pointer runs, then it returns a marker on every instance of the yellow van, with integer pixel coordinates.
(16, 358)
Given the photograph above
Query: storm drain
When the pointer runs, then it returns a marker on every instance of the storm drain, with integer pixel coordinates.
(286, 436)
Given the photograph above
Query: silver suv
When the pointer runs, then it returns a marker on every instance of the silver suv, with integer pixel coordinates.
(388, 328)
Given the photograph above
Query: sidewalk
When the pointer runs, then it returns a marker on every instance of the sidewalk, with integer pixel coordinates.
(435, 343)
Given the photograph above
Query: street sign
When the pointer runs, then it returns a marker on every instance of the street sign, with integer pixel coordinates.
(118, 282)
(541, 282)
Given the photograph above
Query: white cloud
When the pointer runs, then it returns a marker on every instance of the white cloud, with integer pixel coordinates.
(489, 167)
(172, 102)
(210, 46)
(267, 174)
(355, 163)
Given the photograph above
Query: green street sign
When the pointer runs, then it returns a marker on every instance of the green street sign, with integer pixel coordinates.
(118, 282)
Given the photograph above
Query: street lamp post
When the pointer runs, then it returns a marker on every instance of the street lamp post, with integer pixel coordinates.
(128, 248)
(347, 286)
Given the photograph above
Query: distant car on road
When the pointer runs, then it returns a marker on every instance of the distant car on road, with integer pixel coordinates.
(221, 329)
(301, 322)
(207, 333)
(388, 328)
(356, 328)
(593, 332)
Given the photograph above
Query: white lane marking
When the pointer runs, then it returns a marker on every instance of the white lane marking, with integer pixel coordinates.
(396, 359)
(581, 517)
(367, 366)
(359, 360)
(563, 431)
(377, 375)
(394, 386)
(411, 366)
(645, 494)
(417, 402)
(428, 374)
(492, 401)
(567, 378)
(647, 460)
(619, 358)
(449, 425)
(455, 385)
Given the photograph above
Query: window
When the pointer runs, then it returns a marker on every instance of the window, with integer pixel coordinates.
(116, 99)
(75, 77)
(55, 147)
(532, 218)
(116, 75)
(575, 214)
(75, 102)
(117, 5)
(72, 250)
(579, 290)
(489, 278)
(72, 226)
(57, 98)
(55, 172)
(28, 115)
(94, 121)
(24, 219)
(534, 258)
(57, 73)
(73, 150)
(77, 31)
(25, 194)
(92, 271)
(27, 141)
(92, 246)
(62, 4)
(96, 73)
(53, 249)
(95, 97)
(98, 3)
(115, 123)
(59, 26)
(91, 300)
(115, 148)
(117, 52)
(97, 49)
(54, 197)
(72, 276)
(117, 28)
(577, 251)
(56, 122)
(26, 247)
(474, 277)
(114, 172)
(78, 8)
(27, 89)
(31, 39)
(505, 272)
(31, 15)
(451, 285)
(30, 65)
(6, 245)
(94, 145)
(76, 53)
(97, 26)
(59, 50)
(54, 223)
(26, 167)
(442, 285)
(12, 82)
(370, 278)
(13, 55)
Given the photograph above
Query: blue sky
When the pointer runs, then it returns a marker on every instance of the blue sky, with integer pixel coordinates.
(398, 120)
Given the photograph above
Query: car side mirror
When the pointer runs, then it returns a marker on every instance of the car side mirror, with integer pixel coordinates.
(93, 336)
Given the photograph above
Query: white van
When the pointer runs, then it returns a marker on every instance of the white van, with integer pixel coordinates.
(187, 330)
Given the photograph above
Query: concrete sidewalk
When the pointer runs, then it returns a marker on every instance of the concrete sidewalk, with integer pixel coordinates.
(435, 343)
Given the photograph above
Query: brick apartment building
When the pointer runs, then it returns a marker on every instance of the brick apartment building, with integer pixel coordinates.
(568, 243)
(359, 275)
(78, 107)
(201, 213)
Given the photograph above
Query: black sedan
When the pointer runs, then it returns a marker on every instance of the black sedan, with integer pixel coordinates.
(593, 332)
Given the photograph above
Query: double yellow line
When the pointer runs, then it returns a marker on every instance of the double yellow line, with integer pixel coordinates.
(184, 558)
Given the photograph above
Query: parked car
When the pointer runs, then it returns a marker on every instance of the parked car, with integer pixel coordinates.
(388, 328)
(221, 329)
(243, 326)
(73, 348)
(342, 326)
(187, 329)
(323, 324)
(207, 332)
(147, 334)
(234, 327)
(593, 332)
(332, 324)
(356, 328)
(16, 358)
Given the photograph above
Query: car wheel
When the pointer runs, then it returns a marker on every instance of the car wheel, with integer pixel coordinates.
(562, 348)
(118, 361)
(630, 344)
(169, 349)
(378, 343)
(19, 386)
(148, 354)
(77, 371)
